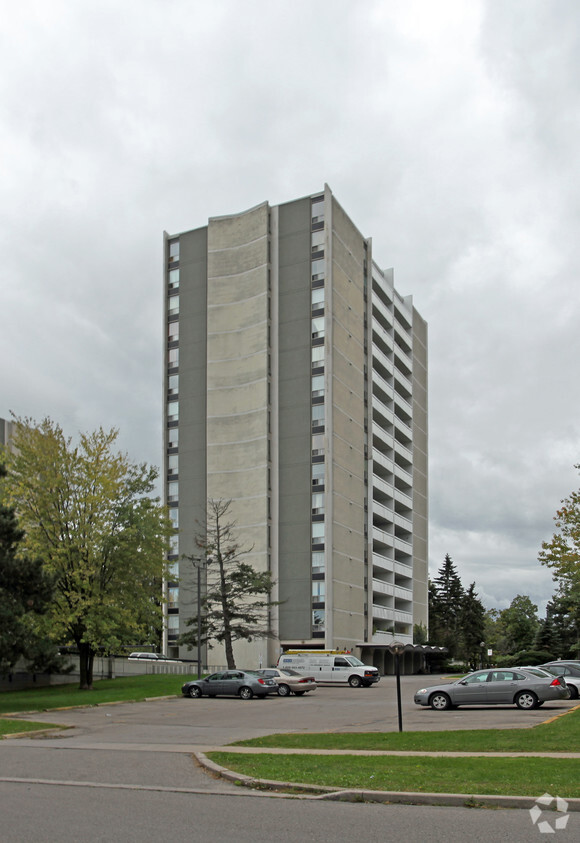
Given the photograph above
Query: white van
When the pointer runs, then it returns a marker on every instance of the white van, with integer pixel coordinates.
(330, 667)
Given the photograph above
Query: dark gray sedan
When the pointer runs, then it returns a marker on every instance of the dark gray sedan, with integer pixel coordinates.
(494, 687)
(232, 683)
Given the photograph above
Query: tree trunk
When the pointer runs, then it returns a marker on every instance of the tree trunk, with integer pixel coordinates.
(86, 658)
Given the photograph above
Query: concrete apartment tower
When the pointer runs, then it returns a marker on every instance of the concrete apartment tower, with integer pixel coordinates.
(296, 386)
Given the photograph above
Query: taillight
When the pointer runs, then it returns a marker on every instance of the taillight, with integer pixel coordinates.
(261, 681)
(556, 681)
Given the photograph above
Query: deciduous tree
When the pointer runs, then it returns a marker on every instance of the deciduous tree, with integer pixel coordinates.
(236, 601)
(89, 516)
(520, 623)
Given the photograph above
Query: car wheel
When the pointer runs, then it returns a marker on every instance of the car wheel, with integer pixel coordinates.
(526, 700)
(573, 692)
(194, 692)
(283, 690)
(440, 701)
(299, 693)
(246, 693)
(355, 682)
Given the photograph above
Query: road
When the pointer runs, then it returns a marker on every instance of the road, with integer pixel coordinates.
(126, 772)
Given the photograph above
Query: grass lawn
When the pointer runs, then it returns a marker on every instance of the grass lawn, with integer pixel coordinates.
(561, 735)
(497, 776)
(12, 727)
(125, 689)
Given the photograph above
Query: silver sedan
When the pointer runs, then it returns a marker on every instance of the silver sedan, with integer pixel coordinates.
(494, 687)
(232, 683)
(289, 681)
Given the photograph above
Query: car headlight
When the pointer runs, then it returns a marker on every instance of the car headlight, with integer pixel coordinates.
(422, 691)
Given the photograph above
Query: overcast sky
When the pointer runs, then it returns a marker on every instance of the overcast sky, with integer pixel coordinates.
(448, 131)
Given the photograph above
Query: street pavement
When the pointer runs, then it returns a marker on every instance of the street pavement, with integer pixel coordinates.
(157, 746)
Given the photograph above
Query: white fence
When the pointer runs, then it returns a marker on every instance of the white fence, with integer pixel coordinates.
(103, 668)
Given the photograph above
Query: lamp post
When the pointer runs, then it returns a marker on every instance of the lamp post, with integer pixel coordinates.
(396, 648)
(197, 562)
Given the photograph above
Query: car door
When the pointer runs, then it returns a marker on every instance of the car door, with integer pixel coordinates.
(232, 681)
(341, 669)
(213, 684)
(470, 691)
(503, 685)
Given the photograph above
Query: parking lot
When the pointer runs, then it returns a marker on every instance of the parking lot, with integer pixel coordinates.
(181, 721)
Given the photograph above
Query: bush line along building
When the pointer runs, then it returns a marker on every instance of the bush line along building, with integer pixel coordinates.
(296, 386)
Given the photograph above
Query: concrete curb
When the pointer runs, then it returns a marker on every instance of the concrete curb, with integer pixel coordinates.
(310, 791)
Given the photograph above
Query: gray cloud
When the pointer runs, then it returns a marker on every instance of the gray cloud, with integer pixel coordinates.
(447, 131)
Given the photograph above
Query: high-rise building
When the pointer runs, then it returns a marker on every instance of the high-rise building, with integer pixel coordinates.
(6, 433)
(296, 387)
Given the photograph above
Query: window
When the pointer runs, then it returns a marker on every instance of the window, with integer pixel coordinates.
(172, 491)
(318, 269)
(173, 623)
(173, 331)
(318, 503)
(174, 251)
(317, 327)
(317, 386)
(318, 474)
(317, 299)
(173, 279)
(477, 679)
(317, 356)
(174, 516)
(318, 618)
(318, 532)
(173, 437)
(318, 445)
(173, 305)
(173, 571)
(172, 597)
(173, 551)
(172, 464)
(318, 591)
(173, 411)
(318, 565)
(318, 210)
(317, 241)
(173, 358)
(173, 384)
(317, 415)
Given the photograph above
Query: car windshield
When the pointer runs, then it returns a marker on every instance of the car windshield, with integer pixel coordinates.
(354, 661)
(288, 672)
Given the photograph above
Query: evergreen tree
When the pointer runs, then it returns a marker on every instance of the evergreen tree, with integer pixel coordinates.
(25, 593)
(236, 601)
(472, 627)
(564, 609)
(447, 600)
(547, 638)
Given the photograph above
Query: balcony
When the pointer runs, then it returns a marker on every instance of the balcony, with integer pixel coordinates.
(382, 538)
(381, 359)
(381, 563)
(382, 613)
(381, 412)
(382, 313)
(383, 438)
(380, 461)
